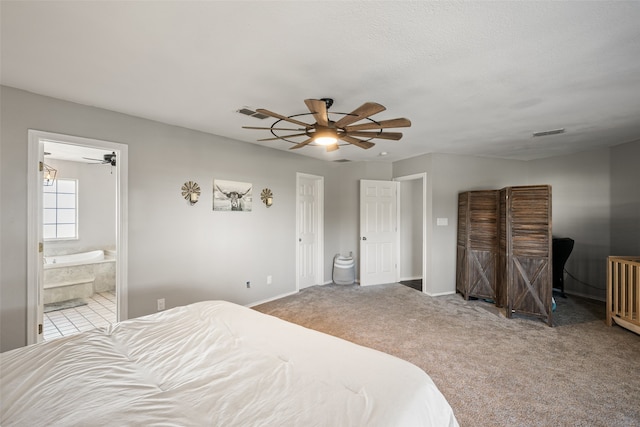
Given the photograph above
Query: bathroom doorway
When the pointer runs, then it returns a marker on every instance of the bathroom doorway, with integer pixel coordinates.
(77, 274)
(412, 236)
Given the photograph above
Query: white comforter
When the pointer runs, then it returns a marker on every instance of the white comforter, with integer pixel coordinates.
(213, 363)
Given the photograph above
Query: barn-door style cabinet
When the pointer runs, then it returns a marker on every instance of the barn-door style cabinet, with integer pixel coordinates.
(504, 248)
(525, 262)
(477, 249)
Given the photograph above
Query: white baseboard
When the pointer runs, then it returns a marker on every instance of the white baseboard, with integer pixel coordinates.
(440, 294)
(253, 304)
(357, 282)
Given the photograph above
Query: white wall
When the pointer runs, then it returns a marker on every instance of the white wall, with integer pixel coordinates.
(96, 207)
(178, 252)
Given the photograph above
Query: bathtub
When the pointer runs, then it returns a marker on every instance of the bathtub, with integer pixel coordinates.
(78, 275)
(73, 259)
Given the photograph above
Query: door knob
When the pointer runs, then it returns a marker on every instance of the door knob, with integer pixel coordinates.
(364, 238)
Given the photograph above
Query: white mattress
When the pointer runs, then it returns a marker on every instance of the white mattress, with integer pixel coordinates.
(214, 363)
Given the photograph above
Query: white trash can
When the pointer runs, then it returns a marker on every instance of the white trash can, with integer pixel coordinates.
(344, 270)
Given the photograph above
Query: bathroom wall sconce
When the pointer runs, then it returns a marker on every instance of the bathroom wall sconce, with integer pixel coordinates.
(191, 192)
(49, 174)
(267, 197)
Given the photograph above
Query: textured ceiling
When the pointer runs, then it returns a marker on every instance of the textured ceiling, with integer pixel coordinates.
(474, 78)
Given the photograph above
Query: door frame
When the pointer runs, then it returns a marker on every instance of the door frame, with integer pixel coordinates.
(34, 221)
(422, 176)
(319, 215)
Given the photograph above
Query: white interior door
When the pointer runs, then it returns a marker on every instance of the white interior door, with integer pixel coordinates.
(378, 232)
(309, 229)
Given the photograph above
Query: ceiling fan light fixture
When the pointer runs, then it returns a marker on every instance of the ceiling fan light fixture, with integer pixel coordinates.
(326, 133)
(325, 137)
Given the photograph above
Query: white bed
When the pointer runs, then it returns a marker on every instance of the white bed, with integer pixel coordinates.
(214, 363)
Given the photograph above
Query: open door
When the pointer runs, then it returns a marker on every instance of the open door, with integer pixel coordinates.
(35, 260)
(378, 232)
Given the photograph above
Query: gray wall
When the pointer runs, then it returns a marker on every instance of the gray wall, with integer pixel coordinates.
(347, 209)
(581, 210)
(178, 252)
(582, 206)
(189, 253)
(447, 175)
(96, 207)
(411, 229)
(625, 199)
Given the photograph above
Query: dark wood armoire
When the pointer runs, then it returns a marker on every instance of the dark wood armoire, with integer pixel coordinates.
(504, 248)
(525, 283)
(477, 249)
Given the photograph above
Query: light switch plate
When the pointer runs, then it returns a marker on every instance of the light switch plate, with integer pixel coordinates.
(442, 221)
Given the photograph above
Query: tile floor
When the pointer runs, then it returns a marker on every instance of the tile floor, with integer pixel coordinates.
(99, 311)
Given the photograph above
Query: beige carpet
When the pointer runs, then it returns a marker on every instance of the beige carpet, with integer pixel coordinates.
(493, 371)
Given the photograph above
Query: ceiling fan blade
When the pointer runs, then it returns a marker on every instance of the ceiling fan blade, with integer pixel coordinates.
(357, 142)
(302, 144)
(332, 147)
(386, 135)
(282, 137)
(393, 123)
(268, 128)
(285, 118)
(362, 112)
(318, 108)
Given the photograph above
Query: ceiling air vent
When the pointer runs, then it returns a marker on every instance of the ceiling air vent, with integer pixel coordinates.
(549, 132)
(248, 112)
(342, 161)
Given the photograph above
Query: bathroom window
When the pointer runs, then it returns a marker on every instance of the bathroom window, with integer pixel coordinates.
(61, 210)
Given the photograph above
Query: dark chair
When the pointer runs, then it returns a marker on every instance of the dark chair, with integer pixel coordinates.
(562, 248)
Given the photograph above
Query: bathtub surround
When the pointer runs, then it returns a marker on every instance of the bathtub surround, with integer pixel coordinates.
(78, 275)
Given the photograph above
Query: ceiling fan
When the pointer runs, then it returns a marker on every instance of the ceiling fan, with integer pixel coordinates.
(106, 159)
(329, 133)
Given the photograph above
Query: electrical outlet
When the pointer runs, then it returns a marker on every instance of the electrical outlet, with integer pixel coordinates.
(248, 284)
(269, 279)
(160, 304)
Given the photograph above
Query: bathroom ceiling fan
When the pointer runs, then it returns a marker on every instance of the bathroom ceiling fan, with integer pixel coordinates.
(106, 159)
(328, 132)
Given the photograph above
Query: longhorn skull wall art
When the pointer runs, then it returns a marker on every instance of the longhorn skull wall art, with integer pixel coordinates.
(232, 196)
